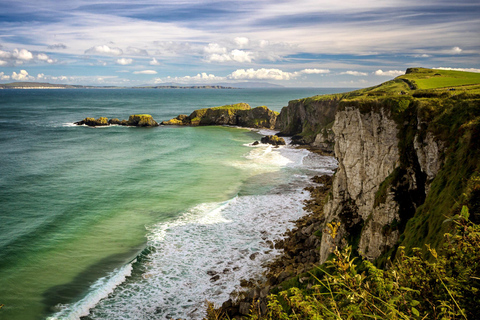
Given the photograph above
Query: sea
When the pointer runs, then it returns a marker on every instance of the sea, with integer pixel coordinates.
(139, 223)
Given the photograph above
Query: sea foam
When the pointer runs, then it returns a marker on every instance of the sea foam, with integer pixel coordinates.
(203, 254)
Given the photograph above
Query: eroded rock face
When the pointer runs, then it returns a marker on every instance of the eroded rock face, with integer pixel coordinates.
(372, 190)
(308, 121)
(367, 153)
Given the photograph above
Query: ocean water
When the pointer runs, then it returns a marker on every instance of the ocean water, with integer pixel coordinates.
(138, 223)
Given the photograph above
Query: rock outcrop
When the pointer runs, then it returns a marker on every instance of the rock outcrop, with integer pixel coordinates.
(136, 120)
(239, 114)
(309, 122)
(273, 140)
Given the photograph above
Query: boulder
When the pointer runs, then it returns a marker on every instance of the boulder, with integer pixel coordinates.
(274, 140)
(142, 120)
(92, 122)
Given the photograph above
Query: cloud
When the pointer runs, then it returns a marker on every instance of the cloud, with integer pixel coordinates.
(459, 69)
(124, 61)
(3, 76)
(136, 51)
(58, 46)
(389, 73)
(104, 50)
(3, 63)
(200, 77)
(234, 55)
(456, 50)
(241, 41)
(315, 71)
(355, 73)
(154, 62)
(145, 72)
(261, 74)
(22, 54)
(22, 76)
(214, 48)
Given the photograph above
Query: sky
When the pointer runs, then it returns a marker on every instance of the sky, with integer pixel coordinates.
(293, 43)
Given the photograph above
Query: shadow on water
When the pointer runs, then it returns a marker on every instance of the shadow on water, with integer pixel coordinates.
(74, 290)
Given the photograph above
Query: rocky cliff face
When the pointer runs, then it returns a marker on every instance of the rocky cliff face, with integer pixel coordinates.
(367, 153)
(388, 157)
(309, 121)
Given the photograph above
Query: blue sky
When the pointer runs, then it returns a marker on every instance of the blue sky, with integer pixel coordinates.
(294, 43)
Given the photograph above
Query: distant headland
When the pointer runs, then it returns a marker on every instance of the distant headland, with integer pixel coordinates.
(44, 85)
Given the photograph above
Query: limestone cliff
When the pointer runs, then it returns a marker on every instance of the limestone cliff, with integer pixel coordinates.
(392, 142)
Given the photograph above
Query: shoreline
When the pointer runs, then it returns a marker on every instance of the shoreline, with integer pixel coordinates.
(298, 255)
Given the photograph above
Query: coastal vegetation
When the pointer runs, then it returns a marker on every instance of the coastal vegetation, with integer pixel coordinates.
(398, 235)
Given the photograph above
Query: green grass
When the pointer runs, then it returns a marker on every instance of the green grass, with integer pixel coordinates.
(434, 78)
(237, 106)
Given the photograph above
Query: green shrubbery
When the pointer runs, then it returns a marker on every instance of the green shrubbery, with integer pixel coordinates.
(442, 285)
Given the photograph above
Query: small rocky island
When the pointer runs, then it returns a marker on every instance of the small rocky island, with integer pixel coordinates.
(135, 120)
(240, 114)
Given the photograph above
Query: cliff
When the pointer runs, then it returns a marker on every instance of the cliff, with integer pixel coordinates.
(407, 154)
(408, 159)
(240, 114)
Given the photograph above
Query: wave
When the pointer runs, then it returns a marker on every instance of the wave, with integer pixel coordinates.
(203, 254)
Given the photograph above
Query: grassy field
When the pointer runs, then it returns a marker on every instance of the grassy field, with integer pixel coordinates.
(435, 78)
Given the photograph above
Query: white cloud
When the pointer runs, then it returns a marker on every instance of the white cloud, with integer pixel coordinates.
(40, 76)
(241, 56)
(261, 74)
(241, 41)
(124, 61)
(42, 57)
(3, 76)
(5, 54)
(22, 76)
(3, 63)
(145, 72)
(200, 77)
(389, 73)
(214, 48)
(355, 73)
(22, 54)
(456, 50)
(136, 51)
(154, 62)
(459, 69)
(234, 55)
(315, 71)
(104, 50)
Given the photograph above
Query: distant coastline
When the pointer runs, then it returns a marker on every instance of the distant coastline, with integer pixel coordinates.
(41, 85)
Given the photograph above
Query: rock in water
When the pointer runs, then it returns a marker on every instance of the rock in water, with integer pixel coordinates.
(92, 122)
(142, 120)
(136, 120)
(275, 140)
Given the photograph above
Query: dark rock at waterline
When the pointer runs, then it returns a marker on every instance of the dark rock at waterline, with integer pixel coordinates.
(274, 140)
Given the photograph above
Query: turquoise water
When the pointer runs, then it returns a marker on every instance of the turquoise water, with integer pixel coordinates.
(120, 222)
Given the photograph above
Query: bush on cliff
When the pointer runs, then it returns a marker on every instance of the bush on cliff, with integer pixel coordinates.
(444, 286)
